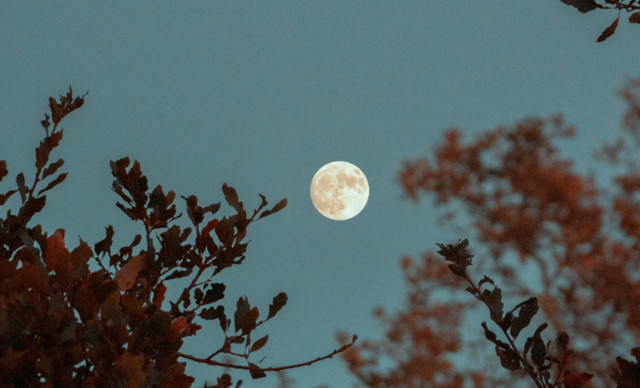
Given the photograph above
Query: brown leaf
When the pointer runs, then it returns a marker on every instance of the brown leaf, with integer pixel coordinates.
(259, 344)
(54, 182)
(55, 247)
(127, 275)
(177, 327)
(635, 18)
(609, 30)
(158, 294)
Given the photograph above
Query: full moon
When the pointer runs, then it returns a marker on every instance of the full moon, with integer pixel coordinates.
(339, 190)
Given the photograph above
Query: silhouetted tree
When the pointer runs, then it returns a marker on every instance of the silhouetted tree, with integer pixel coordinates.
(63, 325)
(629, 6)
(555, 239)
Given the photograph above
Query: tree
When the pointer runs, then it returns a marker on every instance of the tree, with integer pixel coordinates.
(62, 324)
(628, 6)
(557, 242)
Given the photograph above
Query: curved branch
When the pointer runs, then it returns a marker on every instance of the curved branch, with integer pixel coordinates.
(270, 369)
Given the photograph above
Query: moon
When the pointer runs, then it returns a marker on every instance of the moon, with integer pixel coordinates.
(339, 190)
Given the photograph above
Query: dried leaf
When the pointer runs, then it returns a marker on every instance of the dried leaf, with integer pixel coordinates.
(634, 18)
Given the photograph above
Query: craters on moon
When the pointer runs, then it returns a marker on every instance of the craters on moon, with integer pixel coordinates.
(339, 190)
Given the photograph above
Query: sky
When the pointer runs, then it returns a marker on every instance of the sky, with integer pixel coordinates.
(260, 95)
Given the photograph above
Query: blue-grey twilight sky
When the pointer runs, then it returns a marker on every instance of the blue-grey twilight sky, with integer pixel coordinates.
(261, 94)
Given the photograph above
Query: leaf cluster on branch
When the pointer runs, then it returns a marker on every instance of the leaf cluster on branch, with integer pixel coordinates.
(62, 324)
(550, 231)
(629, 6)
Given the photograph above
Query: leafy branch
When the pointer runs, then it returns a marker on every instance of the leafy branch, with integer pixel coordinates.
(629, 6)
(536, 358)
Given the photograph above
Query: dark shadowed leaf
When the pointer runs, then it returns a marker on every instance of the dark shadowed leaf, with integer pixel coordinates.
(21, 187)
(583, 6)
(256, 372)
(31, 207)
(214, 293)
(232, 197)
(528, 309)
(458, 255)
(211, 313)
(508, 358)
(3, 169)
(609, 30)
(279, 206)
(486, 279)
(259, 344)
(54, 182)
(506, 321)
(635, 18)
(493, 299)
(245, 317)
(52, 168)
(5, 196)
(562, 341)
(491, 336)
(278, 302)
(179, 274)
(103, 246)
(537, 346)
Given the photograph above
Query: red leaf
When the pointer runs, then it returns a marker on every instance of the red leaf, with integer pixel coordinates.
(55, 247)
(177, 327)
(635, 18)
(127, 275)
(210, 226)
(158, 294)
(609, 30)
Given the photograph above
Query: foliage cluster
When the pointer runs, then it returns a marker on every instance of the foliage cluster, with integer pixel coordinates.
(630, 6)
(62, 324)
(551, 232)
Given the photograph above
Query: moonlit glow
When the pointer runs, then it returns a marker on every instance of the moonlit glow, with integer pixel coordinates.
(339, 190)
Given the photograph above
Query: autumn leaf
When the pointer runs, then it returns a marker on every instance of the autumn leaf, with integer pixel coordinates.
(210, 226)
(259, 344)
(55, 247)
(609, 30)
(158, 294)
(177, 327)
(127, 275)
